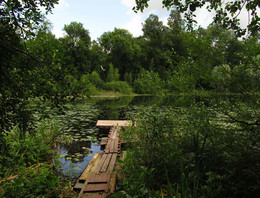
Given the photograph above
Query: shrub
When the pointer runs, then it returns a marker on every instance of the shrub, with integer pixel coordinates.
(26, 165)
(118, 86)
(128, 78)
(113, 74)
(222, 78)
(193, 152)
(148, 83)
(25, 149)
(37, 181)
(96, 80)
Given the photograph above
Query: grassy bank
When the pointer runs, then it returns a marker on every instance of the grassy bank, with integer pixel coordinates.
(27, 164)
(198, 151)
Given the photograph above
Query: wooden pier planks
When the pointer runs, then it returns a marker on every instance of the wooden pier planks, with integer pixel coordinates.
(111, 123)
(101, 179)
(103, 141)
(113, 140)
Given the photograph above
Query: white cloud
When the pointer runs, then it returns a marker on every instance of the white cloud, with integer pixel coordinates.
(154, 6)
(164, 20)
(204, 17)
(128, 3)
(134, 25)
(58, 33)
(62, 4)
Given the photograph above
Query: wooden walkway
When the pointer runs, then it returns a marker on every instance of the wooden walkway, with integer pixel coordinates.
(99, 177)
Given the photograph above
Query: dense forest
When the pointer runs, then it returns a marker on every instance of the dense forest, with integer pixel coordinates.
(209, 157)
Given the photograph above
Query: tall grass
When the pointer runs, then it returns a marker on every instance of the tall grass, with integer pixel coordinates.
(190, 152)
(26, 168)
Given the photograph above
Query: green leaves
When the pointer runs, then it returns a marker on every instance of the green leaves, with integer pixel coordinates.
(36, 181)
(232, 8)
(148, 83)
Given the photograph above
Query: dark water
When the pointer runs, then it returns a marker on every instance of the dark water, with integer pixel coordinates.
(80, 119)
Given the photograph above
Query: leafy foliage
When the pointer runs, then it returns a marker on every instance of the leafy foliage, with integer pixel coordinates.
(193, 152)
(113, 74)
(118, 86)
(148, 83)
(25, 166)
(35, 181)
(223, 12)
(96, 80)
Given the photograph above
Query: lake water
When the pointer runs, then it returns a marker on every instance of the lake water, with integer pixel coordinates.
(80, 119)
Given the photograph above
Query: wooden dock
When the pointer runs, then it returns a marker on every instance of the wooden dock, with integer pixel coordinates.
(99, 177)
(111, 123)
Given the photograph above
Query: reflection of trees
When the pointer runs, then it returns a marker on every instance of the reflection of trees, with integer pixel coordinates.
(112, 107)
(147, 100)
(77, 147)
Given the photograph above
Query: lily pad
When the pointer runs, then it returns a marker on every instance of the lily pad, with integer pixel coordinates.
(63, 155)
(77, 168)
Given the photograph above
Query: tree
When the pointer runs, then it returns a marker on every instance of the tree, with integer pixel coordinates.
(18, 21)
(76, 48)
(113, 74)
(148, 83)
(121, 50)
(23, 15)
(21, 73)
(157, 46)
(76, 33)
(226, 16)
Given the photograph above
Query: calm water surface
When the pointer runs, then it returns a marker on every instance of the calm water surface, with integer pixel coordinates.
(80, 119)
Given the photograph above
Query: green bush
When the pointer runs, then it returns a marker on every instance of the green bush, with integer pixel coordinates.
(37, 181)
(193, 152)
(26, 166)
(128, 78)
(25, 149)
(221, 78)
(96, 80)
(148, 83)
(118, 86)
(113, 74)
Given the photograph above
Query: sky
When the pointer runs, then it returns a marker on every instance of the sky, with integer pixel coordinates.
(99, 16)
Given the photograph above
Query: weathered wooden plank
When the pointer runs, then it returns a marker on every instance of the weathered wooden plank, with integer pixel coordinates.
(99, 178)
(96, 188)
(94, 195)
(90, 167)
(106, 163)
(115, 147)
(78, 186)
(110, 123)
(112, 162)
(103, 141)
(100, 164)
(112, 183)
(111, 146)
(85, 186)
(109, 143)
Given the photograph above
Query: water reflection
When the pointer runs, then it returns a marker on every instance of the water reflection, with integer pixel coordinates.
(80, 119)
